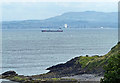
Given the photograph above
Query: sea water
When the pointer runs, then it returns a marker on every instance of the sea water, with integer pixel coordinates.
(30, 52)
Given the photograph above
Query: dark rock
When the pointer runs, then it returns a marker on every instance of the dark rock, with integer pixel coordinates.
(87, 55)
(30, 78)
(10, 73)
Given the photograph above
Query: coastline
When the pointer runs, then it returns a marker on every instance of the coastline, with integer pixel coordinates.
(83, 78)
(7, 81)
(39, 63)
(84, 69)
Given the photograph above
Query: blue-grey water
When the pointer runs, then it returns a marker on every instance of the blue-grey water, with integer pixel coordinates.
(30, 52)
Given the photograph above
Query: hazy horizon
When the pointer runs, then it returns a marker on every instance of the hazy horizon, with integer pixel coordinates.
(52, 16)
(43, 10)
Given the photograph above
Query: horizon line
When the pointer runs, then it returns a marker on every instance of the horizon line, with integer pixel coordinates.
(54, 16)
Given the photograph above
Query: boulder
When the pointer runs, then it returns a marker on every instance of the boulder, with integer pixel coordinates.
(9, 73)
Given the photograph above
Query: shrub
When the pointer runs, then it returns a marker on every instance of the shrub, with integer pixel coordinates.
(112, 70)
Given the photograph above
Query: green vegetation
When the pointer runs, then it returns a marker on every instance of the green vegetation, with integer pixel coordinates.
(94, 62)
(83, 65)
(16, 78)
(26, 79)
(79, 65)
(85, 60)
(112, 69)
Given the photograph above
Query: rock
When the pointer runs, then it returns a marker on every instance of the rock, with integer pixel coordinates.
(9, 73)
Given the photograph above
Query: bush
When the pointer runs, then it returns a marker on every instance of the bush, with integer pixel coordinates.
(112, 70)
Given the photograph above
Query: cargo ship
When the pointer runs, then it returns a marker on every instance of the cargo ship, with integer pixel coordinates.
(52, 30)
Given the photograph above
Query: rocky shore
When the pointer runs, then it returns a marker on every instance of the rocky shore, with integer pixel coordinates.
(15, 78)
(83, 69)
(83, 65)
(86, 77)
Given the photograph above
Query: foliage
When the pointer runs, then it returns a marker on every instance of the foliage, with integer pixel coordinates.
(23, 79)
(17, 78)
(90, 61)
(96, 61)
(112, 69)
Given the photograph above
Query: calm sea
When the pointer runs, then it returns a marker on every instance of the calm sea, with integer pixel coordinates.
(30, 52)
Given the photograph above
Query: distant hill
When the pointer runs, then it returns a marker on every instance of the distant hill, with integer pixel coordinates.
(88, 19)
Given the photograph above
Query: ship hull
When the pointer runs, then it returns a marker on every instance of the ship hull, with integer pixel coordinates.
(51, 30)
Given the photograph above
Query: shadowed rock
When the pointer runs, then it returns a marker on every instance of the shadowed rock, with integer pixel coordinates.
(10, 73)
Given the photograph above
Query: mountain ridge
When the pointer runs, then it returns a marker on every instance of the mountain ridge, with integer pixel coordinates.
(88, 19)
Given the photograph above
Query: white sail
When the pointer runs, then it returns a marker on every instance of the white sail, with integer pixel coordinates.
(66, 26)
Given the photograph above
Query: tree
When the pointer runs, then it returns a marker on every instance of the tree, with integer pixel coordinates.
(112, 70)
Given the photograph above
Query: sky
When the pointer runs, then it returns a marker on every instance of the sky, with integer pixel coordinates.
(12, 11)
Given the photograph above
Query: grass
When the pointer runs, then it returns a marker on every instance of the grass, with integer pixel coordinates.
(84, 61)
(39, 80)
(88, 62)
(97, 61)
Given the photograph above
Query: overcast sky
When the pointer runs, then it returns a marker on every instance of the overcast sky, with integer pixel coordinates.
(42, 10)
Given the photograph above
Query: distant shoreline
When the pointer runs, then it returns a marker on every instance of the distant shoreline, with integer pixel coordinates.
(63, 29)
